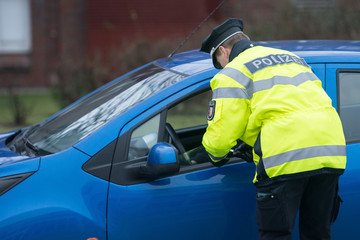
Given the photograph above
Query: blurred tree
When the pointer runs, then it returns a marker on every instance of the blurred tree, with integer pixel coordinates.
(285, 19)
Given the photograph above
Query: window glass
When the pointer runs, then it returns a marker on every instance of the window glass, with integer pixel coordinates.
(191, 112)
(144, 138)
(189, 120)
(186, 114)
(349, 100)
(89, 114)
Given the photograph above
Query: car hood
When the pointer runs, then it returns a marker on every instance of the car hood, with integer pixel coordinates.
(12, 163)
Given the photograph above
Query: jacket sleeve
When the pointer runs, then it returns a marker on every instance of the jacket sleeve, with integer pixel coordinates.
(230, 118)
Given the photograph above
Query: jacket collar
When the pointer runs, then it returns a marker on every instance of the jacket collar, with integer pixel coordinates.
(239, 47)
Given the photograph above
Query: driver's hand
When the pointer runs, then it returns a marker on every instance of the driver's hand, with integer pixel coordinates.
(242, 151)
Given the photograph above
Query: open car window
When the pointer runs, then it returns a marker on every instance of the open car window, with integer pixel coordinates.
(191, 112)
(187, 118)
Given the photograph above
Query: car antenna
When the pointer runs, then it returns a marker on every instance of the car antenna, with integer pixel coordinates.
(169, 58)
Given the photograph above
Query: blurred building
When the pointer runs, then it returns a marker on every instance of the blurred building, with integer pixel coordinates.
(39, 37)
(47, 41)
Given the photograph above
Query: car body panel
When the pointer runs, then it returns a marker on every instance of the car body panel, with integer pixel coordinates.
(12, 163)
(197, 205)
(319, 70)
(74, 206)
(349, 191)
(349, 181)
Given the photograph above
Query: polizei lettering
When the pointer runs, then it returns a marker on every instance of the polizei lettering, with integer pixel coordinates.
(273, 60)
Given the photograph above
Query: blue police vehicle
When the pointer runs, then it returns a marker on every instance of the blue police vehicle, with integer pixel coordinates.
(126, 162)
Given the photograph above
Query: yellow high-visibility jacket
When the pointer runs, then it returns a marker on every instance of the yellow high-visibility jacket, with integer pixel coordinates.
(271, 100)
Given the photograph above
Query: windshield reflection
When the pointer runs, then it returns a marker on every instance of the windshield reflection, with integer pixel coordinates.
(86, 116)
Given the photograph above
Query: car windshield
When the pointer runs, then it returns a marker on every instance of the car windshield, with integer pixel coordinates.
(89, 114)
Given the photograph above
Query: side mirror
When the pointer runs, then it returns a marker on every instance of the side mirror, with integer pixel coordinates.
(162, 161)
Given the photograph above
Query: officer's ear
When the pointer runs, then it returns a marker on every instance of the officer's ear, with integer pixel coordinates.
(225, 51)
(222, 56)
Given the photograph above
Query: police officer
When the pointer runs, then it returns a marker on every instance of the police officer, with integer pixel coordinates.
(271, 100)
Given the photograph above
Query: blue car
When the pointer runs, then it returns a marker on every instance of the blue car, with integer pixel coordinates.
(126, 161)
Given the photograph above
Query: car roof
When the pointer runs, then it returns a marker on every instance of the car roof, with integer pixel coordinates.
(313, 51)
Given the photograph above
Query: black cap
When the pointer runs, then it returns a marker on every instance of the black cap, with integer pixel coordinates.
(219, 35)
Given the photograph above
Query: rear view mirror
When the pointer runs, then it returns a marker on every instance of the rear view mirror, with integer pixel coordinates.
(162, 161)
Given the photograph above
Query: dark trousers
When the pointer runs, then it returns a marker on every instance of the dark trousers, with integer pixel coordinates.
(315, 198)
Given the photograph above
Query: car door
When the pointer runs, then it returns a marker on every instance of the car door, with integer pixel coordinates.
(198, 202)
(343, 86)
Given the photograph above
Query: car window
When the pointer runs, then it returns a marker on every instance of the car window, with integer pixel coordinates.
(188, 118)
(349, 103)
(191, 112)
(144, 138)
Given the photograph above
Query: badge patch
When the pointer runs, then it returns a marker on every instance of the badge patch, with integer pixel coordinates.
(211, 111)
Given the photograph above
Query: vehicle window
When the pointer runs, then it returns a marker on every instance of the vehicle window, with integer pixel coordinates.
(188, 118)
(144, 138)
(84, 117)
(349, 104)
(184, 117)
(191, 112)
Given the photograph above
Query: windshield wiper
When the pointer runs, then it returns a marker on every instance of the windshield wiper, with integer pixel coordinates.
(17, 142)
(30, 146)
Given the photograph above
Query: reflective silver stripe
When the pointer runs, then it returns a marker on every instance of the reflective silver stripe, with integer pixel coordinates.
(253, 87)
(230, 92)
(238, 76)
(296, 80)
(304, 153)
(272, 60)
(216, 159)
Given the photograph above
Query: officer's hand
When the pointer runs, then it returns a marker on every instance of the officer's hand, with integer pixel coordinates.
(242, 151)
